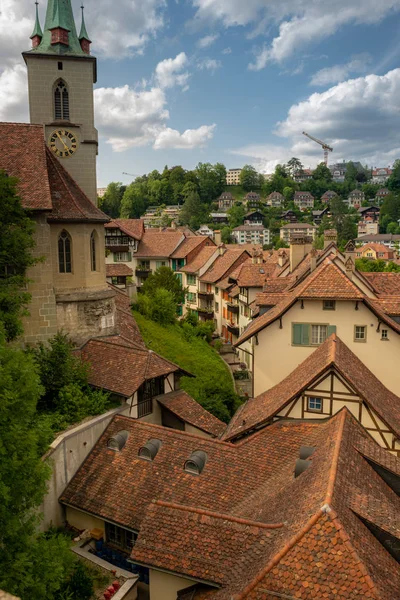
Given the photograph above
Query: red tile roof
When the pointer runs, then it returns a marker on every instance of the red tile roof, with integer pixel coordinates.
(132, 227)
(245, 523)
(190, 244)
(224, 265)
(44, 184)
(333, 353)
(199, 260)
(386, 284)
(159, 244)
(189, 410)
(118, 270)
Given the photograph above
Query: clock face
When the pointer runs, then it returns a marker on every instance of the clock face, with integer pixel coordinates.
(63, 143)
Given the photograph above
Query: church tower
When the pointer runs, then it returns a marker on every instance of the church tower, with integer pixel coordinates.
(61, 74)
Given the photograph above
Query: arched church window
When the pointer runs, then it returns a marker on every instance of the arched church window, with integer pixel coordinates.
(61, 102)
(64, 252)
(93, 251)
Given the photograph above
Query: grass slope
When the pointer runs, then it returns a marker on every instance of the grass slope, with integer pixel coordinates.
(195, 356)
(236, 190)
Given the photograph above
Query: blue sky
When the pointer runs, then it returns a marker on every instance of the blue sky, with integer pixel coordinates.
(183, 81)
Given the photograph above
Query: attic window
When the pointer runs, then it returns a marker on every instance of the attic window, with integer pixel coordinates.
(195, 464)
(118, 441)
(150, 450)
(329, 305)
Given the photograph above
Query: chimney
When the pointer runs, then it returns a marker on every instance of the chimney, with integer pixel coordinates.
(350, 258)
(221, 249)
(313, 259)
(299, 247)
(217, 237)
(282, 257)
(173, 225)
(330, 236)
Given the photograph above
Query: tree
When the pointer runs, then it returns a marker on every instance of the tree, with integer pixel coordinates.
(110, 203)
(159, 307)
(236, 215)
(165, 278)
(393, 182)
(226, 235)
(193, 212)
(294, 166)
(16, 244)
(390, 208)
(351, 172)
(209, 181)
(134, 201)
(322, 173)
(249, 179)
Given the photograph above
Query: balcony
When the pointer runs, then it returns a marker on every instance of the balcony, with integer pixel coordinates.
(233, 308)
(206, 295)
(205, 314)
(233, 329)
(142, 272)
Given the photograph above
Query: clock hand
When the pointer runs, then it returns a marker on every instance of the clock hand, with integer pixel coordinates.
(62, 141)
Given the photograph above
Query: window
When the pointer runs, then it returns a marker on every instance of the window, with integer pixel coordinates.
(161, 263)
(308, 334)
(60, 66)
(216, 291)
(64, 252)
(191, 279)
(147, 391)
(191, 297)
(93, 251)
(329, 305)
(360, 333)
(216, 307)
(318, 334)
(384, 334)
(118, 536)
(314, 404)
(122, 256)
(61, 102)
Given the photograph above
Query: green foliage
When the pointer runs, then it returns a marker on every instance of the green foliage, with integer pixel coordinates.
(390, 209)
(351, 172)
(226, 235)
(377, 266)
(110, 203)
(294, 166)
(249, 178)
(236, 215)
(393, 182)
(16, 244)
(212, 385)
(322, 173)
(193, 213)
(159, 307)
(165, 278)
(134, 201)
(79, 585)
(211, 181)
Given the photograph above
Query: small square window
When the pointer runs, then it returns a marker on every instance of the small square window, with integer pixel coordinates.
(384, 334)
(360, 333)
(329, 305)
(314, 404)
(60, 66)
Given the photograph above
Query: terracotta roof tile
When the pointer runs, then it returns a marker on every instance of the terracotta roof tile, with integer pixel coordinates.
(199, 260)
(132, 227)
(118, 270)
(159, 243)
(224, 265)
(189, 410)
(386, 284)
(190, 244)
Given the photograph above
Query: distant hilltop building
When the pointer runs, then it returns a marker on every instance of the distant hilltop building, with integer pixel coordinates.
(233, 177)
(101, 192)
(381, 175)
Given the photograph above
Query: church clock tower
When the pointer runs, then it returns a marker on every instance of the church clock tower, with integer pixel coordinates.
(61, 74)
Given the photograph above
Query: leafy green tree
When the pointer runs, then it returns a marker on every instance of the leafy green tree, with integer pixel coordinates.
(347, 230)
(370, 190)
(193, 212)
(236, 215)
(166, 279)
(159, 307)
(294, 166)
(209, 182)
(134, 201)
(110, 203)
(226, 235)
(288, 193)
(16, 244)
(351, 172)
(249, 179)
(391, 208)
(322, 172)
(393, 182)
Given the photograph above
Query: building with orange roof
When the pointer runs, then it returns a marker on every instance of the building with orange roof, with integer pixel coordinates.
(374, 251)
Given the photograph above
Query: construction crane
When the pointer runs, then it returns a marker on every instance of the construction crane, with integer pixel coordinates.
(325, 147)
(131, 174)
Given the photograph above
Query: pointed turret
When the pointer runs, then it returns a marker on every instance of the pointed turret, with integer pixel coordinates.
(84, 39)
(59, 35)
(37, 32)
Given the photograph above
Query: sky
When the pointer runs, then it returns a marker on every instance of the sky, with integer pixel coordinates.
(231, 81)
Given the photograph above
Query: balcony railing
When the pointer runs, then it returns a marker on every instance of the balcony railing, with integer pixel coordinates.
(142, 272)
(233, 308)
(206, 314)
(233, 329)
(205, 295)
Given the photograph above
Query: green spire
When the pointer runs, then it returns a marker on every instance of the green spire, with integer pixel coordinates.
(37, 30)
(83, 34)
(59, 15)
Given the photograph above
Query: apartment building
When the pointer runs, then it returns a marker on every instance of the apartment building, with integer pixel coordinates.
(381, 195)
(233, 176)
(367, 227)
(387, 239)
(225, 201)
(381, 174)
(287, 232)
(252, 200)
(252, 234)
(355, 199)
(275, 200)
(328, 196)
(304, 200)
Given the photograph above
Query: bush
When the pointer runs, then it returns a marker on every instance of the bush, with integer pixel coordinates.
(79, 585)
(218, 345)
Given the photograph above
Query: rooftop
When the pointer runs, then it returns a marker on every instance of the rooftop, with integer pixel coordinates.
(118, 270)
(224, 264)
(159, 243)
(131, 227)
(190, 244)
(189, 410)
(199, 260)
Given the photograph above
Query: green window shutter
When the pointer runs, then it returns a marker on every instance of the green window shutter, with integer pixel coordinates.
(297, 334)
(331, 329)
(129, 256)
(305, 335)
(115, 256)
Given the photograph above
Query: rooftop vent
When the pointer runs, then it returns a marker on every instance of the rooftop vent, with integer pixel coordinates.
(118, 441)
(303, 463)
(150, 449)
(195, 464)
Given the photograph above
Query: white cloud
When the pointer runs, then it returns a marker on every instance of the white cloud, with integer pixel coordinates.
(191, 138)
(359, 118)
(207, 40)
(227, 50)
(338, 73)
(169, 72)
(209, 64)
(14, 94)
(16, 25)
(299, 22)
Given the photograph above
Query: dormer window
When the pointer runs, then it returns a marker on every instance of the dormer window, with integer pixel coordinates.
(195, 464)
(61, 102)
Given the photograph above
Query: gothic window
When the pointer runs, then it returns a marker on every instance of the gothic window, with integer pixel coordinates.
(61, 102)
(93, 251)
(64, 252)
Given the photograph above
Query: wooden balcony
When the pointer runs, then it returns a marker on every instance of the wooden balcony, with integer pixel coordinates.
(206, 295)
(233, 328)
(142, 272)
(233, 308)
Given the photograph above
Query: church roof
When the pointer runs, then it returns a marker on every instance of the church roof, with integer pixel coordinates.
(37, 30)
(59, 14)
(44, 184)
(83, 33)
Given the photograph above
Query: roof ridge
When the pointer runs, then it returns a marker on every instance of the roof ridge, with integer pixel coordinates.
(335, 459)
(217, 515)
